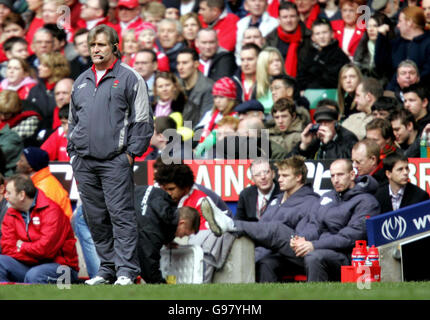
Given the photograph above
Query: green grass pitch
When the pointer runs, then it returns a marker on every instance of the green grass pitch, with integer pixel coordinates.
(278, 291)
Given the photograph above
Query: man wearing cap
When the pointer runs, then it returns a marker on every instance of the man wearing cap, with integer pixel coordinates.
(215, 61)
(172, 9)
(250, 109)
(129, 17)
(326, 140)
(34, 162)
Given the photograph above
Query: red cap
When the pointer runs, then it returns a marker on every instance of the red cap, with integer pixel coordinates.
(224, 87)
(128, 3)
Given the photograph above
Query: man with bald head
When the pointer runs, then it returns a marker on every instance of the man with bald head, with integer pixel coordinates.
(341, 219)
(62, 94)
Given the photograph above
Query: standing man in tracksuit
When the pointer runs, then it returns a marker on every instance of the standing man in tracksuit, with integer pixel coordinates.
(110, 123)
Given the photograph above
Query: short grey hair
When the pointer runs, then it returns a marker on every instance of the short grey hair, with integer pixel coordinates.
(408, 63)
(177, 24)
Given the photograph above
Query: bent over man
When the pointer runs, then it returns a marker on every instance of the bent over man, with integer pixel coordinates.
(110, 123)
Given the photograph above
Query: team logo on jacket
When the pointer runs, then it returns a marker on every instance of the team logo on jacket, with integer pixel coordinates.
(82, 85)
(273, 202)
(393, 228)
(325, 201)
(115, 84)
(36, 221)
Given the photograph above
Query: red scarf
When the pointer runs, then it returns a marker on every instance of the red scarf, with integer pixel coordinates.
(313, 15)
(291, 58)
(210, 127)
(246, 93)
(12, 122)
(379, 167)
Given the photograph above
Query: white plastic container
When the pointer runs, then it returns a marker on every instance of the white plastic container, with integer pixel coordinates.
(184, 262)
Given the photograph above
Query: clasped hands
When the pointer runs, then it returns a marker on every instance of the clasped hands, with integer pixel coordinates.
(301, 246)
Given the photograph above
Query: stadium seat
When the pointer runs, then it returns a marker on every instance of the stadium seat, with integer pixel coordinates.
(294, 278)
(315, 95)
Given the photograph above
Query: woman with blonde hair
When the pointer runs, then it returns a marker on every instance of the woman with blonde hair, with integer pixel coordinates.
(349, 78)
(130, 46)
(190, 26)
(269, 63)
(52, 68)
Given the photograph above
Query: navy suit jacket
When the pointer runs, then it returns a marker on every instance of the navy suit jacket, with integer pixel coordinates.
(412, 195)
(247, 204)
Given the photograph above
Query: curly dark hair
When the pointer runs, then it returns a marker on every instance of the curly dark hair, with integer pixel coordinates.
(179, 174)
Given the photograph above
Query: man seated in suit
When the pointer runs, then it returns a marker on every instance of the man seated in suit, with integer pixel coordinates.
(253, 200)
(398, 192)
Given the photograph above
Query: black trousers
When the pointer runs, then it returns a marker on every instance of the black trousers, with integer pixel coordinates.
(106, 188)
(319, 265)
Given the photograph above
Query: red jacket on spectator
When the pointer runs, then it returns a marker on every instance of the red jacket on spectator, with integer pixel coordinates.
(226, 29)
(138, 25)
(56, 146)
(75, 14)
(47, 238)
(83, 24)
(339, 27)
(23, 89)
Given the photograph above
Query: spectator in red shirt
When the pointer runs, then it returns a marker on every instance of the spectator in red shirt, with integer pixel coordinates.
(213, 14)
(56, 144)
(13, 26)
(37, 238)
(129, 16)
(35, 6)
(348, 31)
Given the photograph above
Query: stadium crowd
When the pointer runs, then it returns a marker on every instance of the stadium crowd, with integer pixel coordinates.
(285, 81)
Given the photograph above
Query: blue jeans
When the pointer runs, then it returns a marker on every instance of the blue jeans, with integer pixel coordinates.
(82, 232)
(11, 270)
